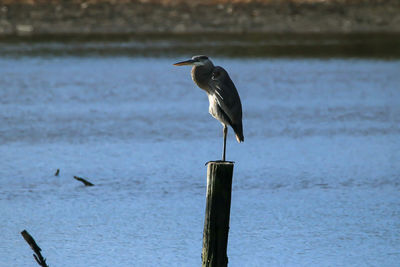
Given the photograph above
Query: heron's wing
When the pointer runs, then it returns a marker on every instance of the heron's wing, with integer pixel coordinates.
(226, 94)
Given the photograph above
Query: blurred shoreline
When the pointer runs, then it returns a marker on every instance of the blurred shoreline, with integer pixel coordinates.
(315, 45)
(127, 17)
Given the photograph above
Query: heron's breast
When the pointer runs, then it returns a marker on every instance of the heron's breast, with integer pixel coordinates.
(200, 78)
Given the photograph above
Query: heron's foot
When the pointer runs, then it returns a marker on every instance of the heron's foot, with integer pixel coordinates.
(227, 161)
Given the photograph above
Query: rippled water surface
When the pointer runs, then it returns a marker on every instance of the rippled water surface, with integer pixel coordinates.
(316, 182)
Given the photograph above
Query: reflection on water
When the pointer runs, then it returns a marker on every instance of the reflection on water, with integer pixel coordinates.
(317, 179)
(380, 45)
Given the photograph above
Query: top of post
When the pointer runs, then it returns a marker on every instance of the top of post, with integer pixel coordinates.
(220, 162)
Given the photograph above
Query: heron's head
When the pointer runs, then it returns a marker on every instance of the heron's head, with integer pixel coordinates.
(196, 61)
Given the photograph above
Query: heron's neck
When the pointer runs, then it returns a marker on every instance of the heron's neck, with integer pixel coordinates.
(201, 76)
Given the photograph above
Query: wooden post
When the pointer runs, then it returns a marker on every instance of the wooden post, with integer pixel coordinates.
(218, 205)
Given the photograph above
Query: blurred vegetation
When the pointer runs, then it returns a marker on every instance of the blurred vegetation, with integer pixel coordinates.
(384, 46)
(208, 2)
(311, 28)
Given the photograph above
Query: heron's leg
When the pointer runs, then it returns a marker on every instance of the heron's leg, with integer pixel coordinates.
(224, 149)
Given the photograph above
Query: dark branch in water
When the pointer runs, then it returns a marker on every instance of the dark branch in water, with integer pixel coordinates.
(87, 183)
(57, 172)
(38, 256)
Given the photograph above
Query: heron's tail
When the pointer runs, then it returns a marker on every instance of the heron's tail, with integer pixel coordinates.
(238, 128)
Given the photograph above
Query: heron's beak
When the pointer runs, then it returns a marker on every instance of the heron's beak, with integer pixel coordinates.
(186, 62)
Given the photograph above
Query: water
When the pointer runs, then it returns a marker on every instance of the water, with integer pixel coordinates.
(316, 182)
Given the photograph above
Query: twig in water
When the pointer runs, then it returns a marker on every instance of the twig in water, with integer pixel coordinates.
(87, 183)
(38, 256)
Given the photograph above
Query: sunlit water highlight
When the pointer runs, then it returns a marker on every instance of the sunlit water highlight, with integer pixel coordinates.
(316, 182)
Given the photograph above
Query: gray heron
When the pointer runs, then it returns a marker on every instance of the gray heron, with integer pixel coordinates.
(223, 97)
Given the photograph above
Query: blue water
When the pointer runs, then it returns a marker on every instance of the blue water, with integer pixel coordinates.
(316, 182)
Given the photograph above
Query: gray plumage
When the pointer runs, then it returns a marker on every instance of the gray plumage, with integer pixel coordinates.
(223, 97)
